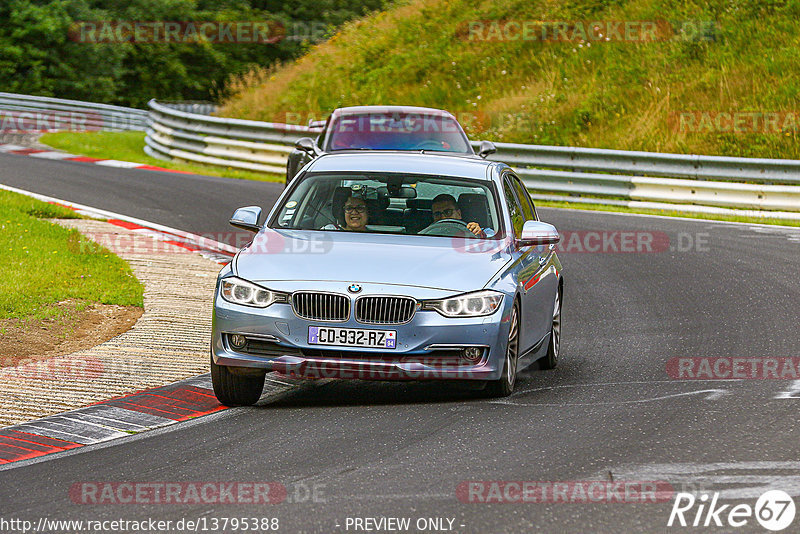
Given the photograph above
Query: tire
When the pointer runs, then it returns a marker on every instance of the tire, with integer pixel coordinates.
(550, 361)
(505, 385)
(236, 389)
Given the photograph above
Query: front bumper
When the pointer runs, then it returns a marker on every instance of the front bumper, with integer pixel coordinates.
(428, 347)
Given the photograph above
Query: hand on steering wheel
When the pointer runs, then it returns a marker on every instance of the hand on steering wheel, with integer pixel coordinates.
(446, 227)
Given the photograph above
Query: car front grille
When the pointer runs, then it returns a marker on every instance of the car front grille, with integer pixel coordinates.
(321, 306)
(385, 310)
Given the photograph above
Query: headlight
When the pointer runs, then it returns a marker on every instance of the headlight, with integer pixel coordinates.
(246, 293)
(467, 305)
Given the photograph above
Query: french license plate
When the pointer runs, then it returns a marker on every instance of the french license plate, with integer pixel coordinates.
(352, 337)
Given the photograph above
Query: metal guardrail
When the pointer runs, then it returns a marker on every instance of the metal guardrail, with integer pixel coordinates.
(242, 144)
(25, 113)
(680, 182)
(189, 106)
(701, 181)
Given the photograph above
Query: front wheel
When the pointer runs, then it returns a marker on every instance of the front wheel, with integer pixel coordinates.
(554, 347)
(233, 389)
(504, 386)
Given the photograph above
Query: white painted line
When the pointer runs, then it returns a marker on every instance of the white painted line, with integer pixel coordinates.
(101, 432)
(118, 164)
(130, 417)
(792, 392)
(604, 384)
(103, 214)
(206, 419)
(733, 480)
(106, 422)
(11, 148)
(713, 394)
(268, 379)
(42, 427)
(668, 217)
(51, 155)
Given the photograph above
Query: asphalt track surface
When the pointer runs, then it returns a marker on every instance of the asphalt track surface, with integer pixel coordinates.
(610, 411)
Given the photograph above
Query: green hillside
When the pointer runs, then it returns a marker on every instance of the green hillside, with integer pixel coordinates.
(716, 77)
(89, 49)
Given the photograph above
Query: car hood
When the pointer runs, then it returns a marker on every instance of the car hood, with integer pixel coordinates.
(436, 262)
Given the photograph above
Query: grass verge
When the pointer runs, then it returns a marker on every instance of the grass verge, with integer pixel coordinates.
(44, 264)
(679, 92)
(127, 146)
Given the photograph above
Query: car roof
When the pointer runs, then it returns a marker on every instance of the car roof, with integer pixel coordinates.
(389, 161)
(414, 110)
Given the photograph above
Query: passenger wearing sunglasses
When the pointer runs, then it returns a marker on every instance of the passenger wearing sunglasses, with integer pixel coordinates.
(445, 207)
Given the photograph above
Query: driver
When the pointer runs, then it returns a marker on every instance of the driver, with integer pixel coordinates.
(445, 207)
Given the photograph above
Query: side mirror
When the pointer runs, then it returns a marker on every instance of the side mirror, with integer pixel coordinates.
(307, 145)
(486, 148)
(536, 233)
(247, 218)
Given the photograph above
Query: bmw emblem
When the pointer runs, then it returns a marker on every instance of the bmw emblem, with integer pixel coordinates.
(354, 288)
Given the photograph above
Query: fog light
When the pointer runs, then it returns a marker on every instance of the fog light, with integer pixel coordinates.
(238, 341)
(472, 354)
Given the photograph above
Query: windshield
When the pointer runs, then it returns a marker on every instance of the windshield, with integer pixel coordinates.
(396, 131)
(395, 203)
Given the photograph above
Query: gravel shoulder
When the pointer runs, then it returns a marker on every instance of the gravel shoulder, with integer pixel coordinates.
(169, 342)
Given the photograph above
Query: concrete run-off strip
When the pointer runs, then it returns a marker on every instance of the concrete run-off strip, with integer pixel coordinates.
(169, 342)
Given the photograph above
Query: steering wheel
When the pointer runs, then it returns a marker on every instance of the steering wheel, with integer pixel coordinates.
(447, 228)
(428, 144)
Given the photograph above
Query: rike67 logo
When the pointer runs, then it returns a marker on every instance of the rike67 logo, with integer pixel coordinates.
(774, 511)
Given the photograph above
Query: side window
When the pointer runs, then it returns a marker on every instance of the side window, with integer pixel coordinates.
(517, 217)
(524, 199)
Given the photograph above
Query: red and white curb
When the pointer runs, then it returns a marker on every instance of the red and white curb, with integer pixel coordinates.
(130, 414)
(64, 156)
(209, 248)
(116, 418)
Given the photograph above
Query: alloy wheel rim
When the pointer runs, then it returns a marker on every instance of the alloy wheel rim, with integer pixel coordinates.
(511, 352)
(557, 326)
